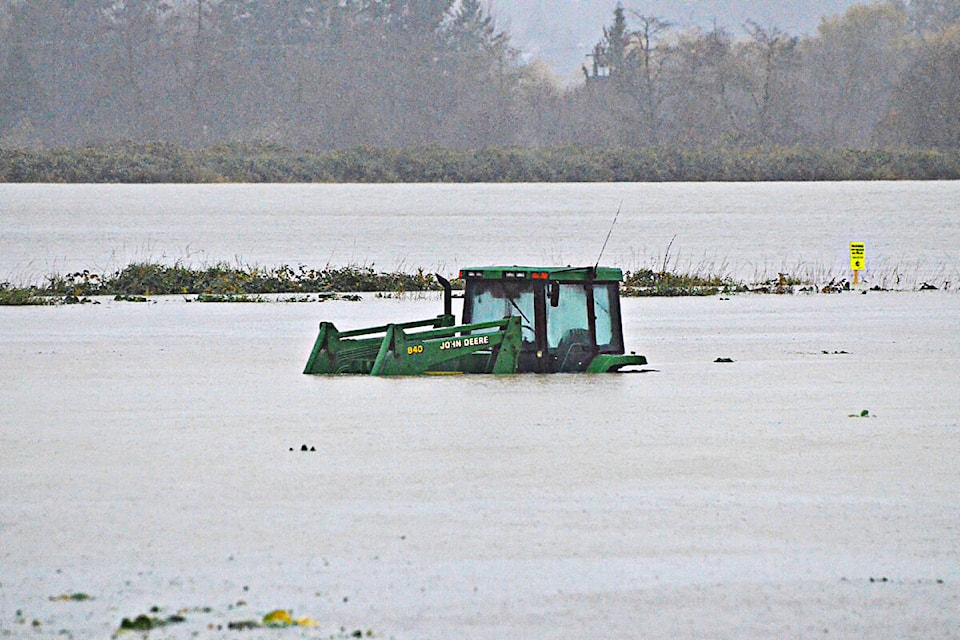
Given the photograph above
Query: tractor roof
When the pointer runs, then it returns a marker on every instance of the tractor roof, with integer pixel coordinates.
(566, 274)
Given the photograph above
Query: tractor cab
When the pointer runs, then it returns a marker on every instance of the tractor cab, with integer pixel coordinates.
(568, 315)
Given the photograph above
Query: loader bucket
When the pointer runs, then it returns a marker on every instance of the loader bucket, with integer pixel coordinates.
(416, 348)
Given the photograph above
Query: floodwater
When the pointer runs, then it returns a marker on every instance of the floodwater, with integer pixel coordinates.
(150, 457)
(747, 230)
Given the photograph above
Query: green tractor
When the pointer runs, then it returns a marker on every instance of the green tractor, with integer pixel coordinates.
(515, 320)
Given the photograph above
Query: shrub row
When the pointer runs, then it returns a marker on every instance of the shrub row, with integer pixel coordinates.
(162, 162)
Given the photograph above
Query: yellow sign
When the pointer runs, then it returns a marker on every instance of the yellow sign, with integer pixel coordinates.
(858, 256)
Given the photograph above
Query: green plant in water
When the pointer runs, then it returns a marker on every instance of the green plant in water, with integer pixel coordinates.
(210, 297)
(75, 597)
(142, 622)
(19, 297)
(647, 282)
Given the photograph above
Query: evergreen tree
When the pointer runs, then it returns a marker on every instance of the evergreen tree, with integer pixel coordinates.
(471, 30)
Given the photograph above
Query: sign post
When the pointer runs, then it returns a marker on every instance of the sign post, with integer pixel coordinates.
(858, 259)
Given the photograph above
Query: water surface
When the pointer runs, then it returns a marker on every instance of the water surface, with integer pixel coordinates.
(145, 459)
(747, 230)
(150, 452)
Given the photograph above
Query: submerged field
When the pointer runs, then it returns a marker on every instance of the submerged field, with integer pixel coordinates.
(788, 469)
(151, 466)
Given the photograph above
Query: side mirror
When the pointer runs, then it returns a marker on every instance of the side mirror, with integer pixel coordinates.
(554, 294)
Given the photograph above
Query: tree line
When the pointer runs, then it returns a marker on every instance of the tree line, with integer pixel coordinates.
(336, 75)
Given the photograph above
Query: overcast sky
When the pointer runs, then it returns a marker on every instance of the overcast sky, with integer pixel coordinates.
(562, 32)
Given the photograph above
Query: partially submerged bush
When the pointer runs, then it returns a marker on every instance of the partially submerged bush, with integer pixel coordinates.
(647, 282)
(219, 282)
(18, 297)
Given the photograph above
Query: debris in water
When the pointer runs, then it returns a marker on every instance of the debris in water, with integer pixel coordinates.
(278, 618)
(75, 597)
(144, 622)
(243, 625)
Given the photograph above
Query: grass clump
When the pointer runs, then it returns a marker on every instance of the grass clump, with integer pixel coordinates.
(19, 297)
(647, 282)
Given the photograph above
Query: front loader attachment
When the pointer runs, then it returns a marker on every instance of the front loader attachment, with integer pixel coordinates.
(414, 348)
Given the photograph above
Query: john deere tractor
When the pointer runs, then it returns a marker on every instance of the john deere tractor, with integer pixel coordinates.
(515, 320)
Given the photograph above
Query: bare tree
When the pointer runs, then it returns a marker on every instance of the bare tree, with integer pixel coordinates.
(703, 79)
(769, 60)
(647, 58)
(925, 106)
(849, 69)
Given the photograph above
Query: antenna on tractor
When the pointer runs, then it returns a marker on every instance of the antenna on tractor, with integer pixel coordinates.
(604, 247)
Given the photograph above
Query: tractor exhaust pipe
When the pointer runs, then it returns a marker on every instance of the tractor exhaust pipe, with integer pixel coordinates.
(447, 294)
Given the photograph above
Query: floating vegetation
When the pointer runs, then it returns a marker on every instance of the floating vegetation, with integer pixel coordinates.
(143, 622)
(863, 414)
(278, 618)
(283, 618)
(71, 597)
(243, 625)
(226, 297)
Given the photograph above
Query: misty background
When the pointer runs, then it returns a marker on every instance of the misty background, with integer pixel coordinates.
(463, 74)
(563, 32)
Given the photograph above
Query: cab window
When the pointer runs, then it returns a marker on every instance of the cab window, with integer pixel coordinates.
(494, 300)
(570, 315)
(607, 312)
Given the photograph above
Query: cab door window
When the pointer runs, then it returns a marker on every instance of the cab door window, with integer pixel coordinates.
(569, 317)
(606, 310)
